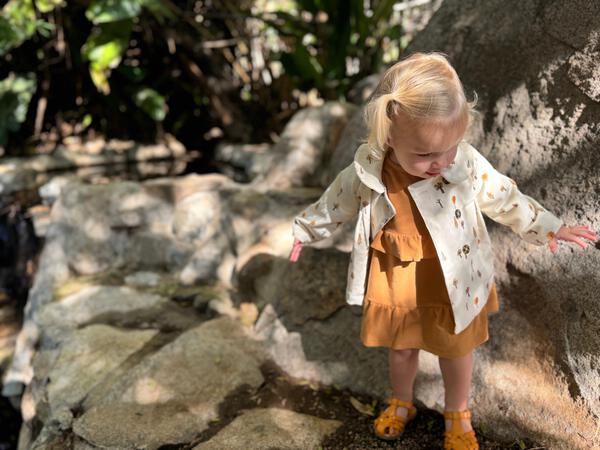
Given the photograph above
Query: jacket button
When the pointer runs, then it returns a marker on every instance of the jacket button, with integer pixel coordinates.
(466, 249)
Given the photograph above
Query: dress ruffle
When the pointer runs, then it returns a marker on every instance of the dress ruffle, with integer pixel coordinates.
(426, 328)
(406, 247)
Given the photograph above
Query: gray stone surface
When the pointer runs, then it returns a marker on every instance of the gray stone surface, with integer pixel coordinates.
(142, 278)
(316, 282)
(172, 394)
(287, 349)
(86, 358)
(93, 301)
(305, 147)
(263, 428)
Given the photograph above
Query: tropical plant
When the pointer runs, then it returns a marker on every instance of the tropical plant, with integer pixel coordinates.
(200, 69)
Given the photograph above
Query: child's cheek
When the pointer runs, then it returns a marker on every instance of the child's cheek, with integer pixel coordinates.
(422, 166)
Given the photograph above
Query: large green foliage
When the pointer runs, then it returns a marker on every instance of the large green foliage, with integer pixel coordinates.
(15, 95)
(324, 37)
(18, 22)
(226, 62)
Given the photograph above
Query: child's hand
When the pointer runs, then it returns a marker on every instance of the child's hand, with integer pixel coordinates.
(295, 253)
(573, 234)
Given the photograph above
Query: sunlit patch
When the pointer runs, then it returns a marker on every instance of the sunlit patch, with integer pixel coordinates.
(148, 390)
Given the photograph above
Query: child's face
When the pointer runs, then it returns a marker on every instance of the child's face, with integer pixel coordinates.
(422, 149)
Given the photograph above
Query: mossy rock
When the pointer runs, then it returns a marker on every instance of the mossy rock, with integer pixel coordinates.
(76, 284)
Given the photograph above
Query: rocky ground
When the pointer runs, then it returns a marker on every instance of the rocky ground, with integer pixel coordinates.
(190, 359)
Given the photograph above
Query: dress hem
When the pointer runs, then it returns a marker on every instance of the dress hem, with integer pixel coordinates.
(427, 349)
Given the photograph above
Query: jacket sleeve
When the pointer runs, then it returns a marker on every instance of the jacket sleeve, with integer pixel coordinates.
(500, 199)
(338, 204)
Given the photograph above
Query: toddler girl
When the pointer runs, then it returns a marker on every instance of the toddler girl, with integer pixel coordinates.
(422, 263)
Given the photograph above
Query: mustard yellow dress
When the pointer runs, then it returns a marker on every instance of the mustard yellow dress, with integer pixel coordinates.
(406, 303)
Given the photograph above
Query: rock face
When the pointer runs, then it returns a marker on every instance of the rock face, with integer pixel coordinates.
(305, 147)
(534, 66)
(272, 428)
(92, 160)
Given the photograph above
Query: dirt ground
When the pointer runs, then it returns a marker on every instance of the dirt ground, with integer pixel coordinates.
(279, 390)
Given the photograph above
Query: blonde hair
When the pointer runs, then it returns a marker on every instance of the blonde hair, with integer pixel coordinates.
(423, 86)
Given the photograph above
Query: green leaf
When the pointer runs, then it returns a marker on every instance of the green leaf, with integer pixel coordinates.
(86, 121)
(8, 36)
(106, 43)
(134, 74)
(308, 5)
(395, 32)
(104, 48)
(159, 10)
(301, 63)
(17, 24)
(15, 95)
(47, 5)
(382, 11)
(99, 77)
(152, 103)
(360, 21)
(103, 11)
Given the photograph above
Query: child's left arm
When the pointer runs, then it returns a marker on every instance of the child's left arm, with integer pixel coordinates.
(500, 199)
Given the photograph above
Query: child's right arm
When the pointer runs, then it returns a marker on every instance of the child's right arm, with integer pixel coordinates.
(338, 204)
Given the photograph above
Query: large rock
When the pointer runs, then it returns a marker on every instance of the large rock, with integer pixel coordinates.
(305, 147)
(316, 282)
(94, 158)
(85, 358)
(271, 428)
(172, 395)
(534, 66)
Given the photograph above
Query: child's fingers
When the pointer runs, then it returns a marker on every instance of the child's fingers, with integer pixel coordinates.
(576, 240)
(294, 254)
(583, 230)
(589, 235)
(553, 245)
(295, 251)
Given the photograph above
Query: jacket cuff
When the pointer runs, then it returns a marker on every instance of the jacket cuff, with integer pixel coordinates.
(547, 227)
(552, 224)
(300, 233)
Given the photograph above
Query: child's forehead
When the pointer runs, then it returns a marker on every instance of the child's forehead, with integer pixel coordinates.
(424, 135)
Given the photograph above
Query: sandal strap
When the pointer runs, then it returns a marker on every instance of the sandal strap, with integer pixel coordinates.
(401, 403)
(466, 440)
(465, 414)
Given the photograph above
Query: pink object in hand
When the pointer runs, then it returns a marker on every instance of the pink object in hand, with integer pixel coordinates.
(296, 250)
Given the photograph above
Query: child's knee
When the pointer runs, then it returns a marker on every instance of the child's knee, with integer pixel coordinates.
(404, 354)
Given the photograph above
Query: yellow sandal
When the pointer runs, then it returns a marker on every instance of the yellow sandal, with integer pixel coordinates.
(456, 438)
(392, 423)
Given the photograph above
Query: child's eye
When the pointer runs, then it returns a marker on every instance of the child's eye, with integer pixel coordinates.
(425, 154)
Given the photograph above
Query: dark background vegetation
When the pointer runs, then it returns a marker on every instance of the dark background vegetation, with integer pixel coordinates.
(200, 70)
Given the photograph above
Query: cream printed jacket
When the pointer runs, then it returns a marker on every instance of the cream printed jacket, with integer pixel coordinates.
(451, 205)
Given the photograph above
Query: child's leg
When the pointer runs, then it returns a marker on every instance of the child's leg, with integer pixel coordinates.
(403, 370)
(456, 373)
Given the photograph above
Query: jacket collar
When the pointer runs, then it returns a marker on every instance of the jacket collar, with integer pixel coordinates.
(369, 169)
